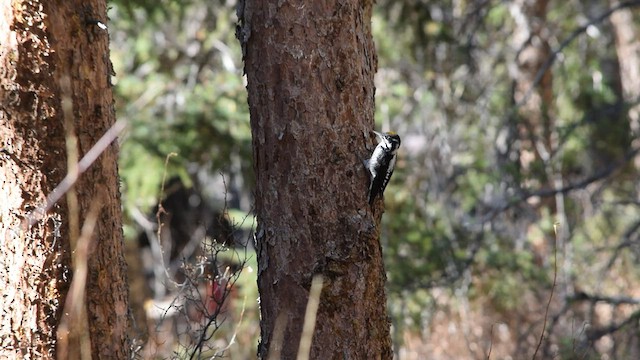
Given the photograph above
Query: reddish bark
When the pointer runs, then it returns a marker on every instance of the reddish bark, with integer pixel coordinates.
(310, 67)
(51, 51)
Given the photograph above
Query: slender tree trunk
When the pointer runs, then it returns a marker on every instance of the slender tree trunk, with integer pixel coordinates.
(628, 50)
(533, 84)
(310, 67)
(56, 102)
(538, 138)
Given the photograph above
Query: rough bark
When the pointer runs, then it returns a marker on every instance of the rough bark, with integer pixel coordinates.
(51, 51)
(310, 68)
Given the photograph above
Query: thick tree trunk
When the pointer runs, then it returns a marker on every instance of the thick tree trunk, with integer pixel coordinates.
(310, 67)
(56, 102)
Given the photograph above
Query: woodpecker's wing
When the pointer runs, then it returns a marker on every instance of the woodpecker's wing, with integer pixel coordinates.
(379, 183)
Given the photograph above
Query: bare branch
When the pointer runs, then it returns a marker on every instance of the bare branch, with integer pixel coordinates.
(525, 195)
(72, 176)
(577, 32)
(596, 334)
(611, 300)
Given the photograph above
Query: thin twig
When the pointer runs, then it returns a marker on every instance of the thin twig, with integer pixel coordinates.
(229, 283)
(553, 286)
(160, 197)
(160, 268)
(235, 332)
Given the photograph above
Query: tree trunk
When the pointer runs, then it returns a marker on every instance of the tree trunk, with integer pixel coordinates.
(56, 102)
(310, 67)
(533, 84)
(628, 53)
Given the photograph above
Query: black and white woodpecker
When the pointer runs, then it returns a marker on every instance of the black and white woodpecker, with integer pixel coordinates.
(382, 163)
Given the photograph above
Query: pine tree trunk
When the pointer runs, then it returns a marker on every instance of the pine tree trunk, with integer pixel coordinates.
(310, 67)
(56, 102)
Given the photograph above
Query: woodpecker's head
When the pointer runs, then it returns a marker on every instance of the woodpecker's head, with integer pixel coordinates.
(389, 140)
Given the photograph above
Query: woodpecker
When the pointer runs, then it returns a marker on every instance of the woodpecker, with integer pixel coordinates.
(382, 163)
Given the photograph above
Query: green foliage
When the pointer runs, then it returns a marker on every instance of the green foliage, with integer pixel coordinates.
(415, 254)
(180, 88)
(461, 204)
(447, 209)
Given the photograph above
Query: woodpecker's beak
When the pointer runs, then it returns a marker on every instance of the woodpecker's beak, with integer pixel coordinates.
(380, 135)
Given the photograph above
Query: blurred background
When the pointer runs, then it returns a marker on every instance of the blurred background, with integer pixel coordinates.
(514, 207)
